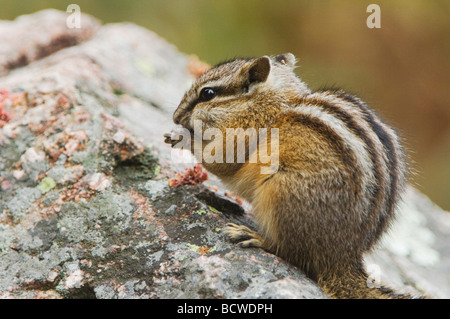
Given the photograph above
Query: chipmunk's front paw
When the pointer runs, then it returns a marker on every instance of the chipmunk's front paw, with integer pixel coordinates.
(243, 235)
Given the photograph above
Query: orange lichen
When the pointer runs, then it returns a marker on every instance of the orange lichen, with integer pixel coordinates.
(197, 67)
(204, 250)
(234, 197)
(190, 176)
(4, 115)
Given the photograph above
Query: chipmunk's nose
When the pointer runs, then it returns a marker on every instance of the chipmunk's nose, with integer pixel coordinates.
(176, 117)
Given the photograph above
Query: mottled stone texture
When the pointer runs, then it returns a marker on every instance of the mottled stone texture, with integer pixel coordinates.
(86, 210)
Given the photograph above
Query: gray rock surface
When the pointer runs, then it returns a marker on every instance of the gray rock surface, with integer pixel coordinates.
(86, 210)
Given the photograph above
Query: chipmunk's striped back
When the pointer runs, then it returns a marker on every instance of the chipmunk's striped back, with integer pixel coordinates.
(380, 161)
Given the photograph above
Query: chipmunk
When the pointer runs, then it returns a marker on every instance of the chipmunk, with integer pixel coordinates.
(341, 170)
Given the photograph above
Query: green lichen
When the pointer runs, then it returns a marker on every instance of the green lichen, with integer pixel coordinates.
(212, 249)
(145, 66)
(193, 247)
(156, 170)
(46, 185)
(200, 212)
(214, 210)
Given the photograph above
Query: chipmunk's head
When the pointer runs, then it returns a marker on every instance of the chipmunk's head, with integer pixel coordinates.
(240, 88)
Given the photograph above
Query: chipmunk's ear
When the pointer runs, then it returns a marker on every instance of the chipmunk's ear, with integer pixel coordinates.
(259, 70)
(286, 59)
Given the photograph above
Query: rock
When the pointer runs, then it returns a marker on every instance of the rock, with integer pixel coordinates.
(86, 210)
(32, 37)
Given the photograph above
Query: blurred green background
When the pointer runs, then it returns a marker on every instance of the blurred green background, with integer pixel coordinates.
(402, 69)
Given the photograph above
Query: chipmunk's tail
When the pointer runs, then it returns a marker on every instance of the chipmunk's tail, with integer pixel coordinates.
(354, 284)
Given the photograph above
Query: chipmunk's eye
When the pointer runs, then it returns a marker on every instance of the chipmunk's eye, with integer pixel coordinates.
(207, 94)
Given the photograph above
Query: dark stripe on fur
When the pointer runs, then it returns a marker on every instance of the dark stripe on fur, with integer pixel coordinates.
(348, 156)
(390, 150)
(359, 131)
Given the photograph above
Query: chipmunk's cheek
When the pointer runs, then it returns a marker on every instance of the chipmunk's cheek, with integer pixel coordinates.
(199, 114)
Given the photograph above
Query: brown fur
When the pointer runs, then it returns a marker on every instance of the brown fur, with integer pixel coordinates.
(341, 170)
